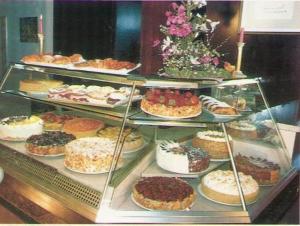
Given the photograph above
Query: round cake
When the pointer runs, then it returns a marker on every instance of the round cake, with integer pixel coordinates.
(242, 129)
(90, 155)
(19, 128)
(213, 142)
(133, 139)
(221, 186)
(49, 143)
(178, 158)
(163, 193)
(169, 103)
(41, 85)
(262, 170)
(55, 122)
(83, 127)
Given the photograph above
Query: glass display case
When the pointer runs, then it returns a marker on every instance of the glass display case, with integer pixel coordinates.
(172, 151)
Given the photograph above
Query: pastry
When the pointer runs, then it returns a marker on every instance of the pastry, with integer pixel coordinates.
(217, 107)
(83, 127)
(90, 155)
(75, 58)
(163, 193)
(262, 170)
(55, 122)
(169, 103)
(46, 58)
(34, 58)
(221, 186)
(41, 85)
(242, 129)
(133, 139)
(62, 60)
(49, 143)
(178, 158)
(19, 128)
(213, 142)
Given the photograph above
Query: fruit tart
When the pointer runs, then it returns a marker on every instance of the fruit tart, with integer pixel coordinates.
(171, 103)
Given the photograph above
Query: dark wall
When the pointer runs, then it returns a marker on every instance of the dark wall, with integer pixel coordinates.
(86, 27)
(274, 57)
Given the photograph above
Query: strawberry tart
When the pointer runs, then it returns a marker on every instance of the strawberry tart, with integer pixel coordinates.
(171, 103)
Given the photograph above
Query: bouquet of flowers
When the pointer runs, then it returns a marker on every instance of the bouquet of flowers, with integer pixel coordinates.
(186, 49)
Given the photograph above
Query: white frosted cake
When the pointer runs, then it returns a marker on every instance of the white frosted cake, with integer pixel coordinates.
(178, 158)
(19, 128)
(213, 142)
(89, 154)
(221, 186)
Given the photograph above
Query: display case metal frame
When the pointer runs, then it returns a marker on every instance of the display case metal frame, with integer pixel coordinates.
(105, 214)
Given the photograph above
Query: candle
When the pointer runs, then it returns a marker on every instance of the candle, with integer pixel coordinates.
(41, 24)
(241, 35)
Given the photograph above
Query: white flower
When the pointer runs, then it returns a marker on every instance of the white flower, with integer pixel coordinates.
(198, 3)
(166, 43)
(213, 25)
(202, 27)
(194, 60)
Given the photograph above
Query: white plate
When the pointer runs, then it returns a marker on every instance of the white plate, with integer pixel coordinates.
(110, 71)
(143, 207)
(65, 66)
(223, 203)
(220, 160)
(54, 155)
(172, 117)
(120, 103)
(13, 139)
(37, 94)
(221, 116)
(97, 172)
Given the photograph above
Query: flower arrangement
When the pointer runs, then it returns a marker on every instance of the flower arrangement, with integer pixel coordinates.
(186, 49)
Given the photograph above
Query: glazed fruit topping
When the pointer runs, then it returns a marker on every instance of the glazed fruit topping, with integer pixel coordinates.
(164, 188)
(173, 98)
(53, 118)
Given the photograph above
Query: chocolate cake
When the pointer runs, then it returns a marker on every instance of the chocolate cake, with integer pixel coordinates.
(262, 170)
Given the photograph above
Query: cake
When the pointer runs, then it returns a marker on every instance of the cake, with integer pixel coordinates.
(49, 143)
(221, 186)
(90, 155)
(41, 85)
(213, 142)
(170, 103)
(242, 129)
(163, 193)
(178, 158)
(53, 121)
(19, 128)
(31, 59)
(83, 127)
(262, 170)
(217, 107)
(133, 139)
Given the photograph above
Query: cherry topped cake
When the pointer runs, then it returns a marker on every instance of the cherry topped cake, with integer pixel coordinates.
(171, 103)
(179, 158)
(163, 193)
(262, 170)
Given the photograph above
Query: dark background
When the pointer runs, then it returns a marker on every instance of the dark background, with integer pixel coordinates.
(126, 30)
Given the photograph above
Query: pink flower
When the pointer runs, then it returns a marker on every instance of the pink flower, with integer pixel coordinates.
(156, 43)
(181, 10)
(168, 13)
(205, 59)
(174, 5)
(215, 61)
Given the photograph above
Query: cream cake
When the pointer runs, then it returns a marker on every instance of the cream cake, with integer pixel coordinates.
(221, 186)
(213, 142)
(178, 158)
(242, 129)
(90, 155)
(19, 128)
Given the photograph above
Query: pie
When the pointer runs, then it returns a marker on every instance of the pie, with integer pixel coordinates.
(171, 103)
(163, 193)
